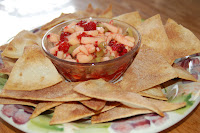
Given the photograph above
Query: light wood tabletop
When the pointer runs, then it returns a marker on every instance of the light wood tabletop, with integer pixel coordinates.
(185, 12)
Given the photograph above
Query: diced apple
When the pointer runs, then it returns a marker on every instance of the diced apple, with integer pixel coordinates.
(100, 30)
(92, 40)
(53, 50)
(110, 27)
(132, 39)
(83, 49)
(83, 58)
(92, 32)
(123, 40)
(78, 28)
(60, 54)
(73, 40)
(54, 38)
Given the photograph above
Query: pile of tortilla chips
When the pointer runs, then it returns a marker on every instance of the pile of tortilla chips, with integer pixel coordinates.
(34, 80)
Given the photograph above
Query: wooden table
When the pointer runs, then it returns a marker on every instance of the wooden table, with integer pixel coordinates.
(185, 12)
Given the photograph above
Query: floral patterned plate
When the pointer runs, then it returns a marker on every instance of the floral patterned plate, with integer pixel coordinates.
(181, 91)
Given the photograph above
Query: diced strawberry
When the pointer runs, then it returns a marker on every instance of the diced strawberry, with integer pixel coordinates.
(81, 23)
(83, 35)
(87, 26)
(63, 36)
(64, 46)
(90, 26)
(120, 48)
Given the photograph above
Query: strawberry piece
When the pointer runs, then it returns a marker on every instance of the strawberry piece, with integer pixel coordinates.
(90, 26)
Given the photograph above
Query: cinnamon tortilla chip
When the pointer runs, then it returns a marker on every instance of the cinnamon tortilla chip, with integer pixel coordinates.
(155, 92)
(108, 106)
(132, 18)
(17, 101)
(183, 74)
(101, 89)
(148, 69)
(89, 12)
(62, 91)
(123, 111)
(94, 104)
(2, 47)
(41, 33)
(107, 13)
(153, 34)
(8, 64)
(70, 111)
(32, 71)
(63, 17)
(183, 41)
(16, 47)
(42, 107)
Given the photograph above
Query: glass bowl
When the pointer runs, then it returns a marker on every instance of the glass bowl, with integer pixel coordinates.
(110, 70)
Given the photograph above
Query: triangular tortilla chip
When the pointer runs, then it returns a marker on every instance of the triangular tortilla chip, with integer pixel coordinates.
(153, 34)
(8, 64)
(17, 101)
(2, 47)
(107, 13)
(94, 104)
(132, 18)
(42, 107)
(89, 12)
(108, 106)
(101, 89)
(71, 111)
(32, 71)
(16, 47)
(155, 92)
(63, 17)
(148, 69)
(123, 111)
(183, 41)
(60, 92)
(183, 74)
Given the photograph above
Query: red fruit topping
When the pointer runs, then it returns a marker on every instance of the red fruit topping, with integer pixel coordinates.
(56, 53)
(120, 48)
(96, 44)
(90, 26)
(111, 22)
(48, 36)
(81, 23)
(83, 35)
(64, 46)
(87, 26)
(64, 35)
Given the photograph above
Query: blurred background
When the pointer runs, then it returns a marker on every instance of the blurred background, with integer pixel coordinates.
(17, 15)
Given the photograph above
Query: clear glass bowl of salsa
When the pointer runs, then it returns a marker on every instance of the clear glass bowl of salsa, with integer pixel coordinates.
(110, 70)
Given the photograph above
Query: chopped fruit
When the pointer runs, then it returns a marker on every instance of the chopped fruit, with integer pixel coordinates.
(83, 35)
(91, 41)
(90, 26)
(64, 46)
(63, 36)
(81, 23)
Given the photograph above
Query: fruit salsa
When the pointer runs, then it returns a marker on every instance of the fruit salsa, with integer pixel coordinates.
(90, 41)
